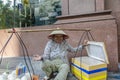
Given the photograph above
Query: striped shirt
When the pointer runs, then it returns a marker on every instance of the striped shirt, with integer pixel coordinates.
(55, 50)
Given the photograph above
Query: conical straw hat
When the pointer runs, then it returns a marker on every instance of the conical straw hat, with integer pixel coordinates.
(50, 36)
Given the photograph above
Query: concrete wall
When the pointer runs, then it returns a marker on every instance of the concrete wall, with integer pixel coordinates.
(114, 5)
(103, 28)
(12, 49)
(72, 7)
(81, 6)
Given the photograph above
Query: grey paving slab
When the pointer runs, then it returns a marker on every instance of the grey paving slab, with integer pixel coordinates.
(12, 62)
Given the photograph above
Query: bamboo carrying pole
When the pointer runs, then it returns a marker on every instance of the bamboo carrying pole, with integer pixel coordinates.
(41, 30)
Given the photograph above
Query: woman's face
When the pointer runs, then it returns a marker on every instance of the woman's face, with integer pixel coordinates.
(58, 38)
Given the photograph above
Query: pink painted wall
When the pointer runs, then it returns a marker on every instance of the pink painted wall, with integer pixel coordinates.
(72, 7)
(102, 30)
(103, 27)
(114, 5)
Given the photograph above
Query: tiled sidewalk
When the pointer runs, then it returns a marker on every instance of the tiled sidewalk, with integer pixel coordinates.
(14, 61)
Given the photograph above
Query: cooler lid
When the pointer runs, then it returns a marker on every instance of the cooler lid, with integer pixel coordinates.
(97, 50)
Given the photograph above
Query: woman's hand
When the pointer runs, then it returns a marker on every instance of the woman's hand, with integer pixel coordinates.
(85, 42)
(37, 57)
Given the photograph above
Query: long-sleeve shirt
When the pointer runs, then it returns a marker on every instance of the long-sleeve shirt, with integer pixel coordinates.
(55, 50)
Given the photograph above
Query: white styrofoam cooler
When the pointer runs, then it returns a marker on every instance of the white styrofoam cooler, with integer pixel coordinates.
(93, 66)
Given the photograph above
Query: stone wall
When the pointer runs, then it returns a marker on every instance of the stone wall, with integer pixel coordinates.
(103, 28)
(72, 7)
(115, 8)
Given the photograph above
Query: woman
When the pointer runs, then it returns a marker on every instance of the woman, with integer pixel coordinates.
(55, 55)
